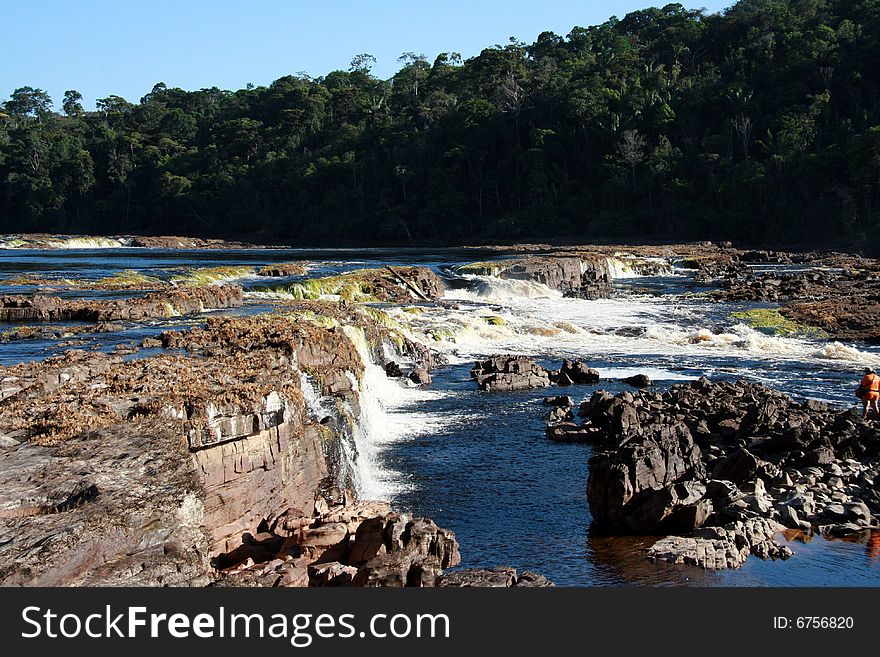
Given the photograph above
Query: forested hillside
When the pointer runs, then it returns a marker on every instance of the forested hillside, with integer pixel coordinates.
(761, 124)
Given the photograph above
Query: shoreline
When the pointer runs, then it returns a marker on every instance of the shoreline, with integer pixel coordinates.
(50, 241)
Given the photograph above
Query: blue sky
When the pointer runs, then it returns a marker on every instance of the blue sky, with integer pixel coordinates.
(123, 47)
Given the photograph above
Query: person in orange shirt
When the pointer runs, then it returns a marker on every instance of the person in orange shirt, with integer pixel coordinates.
(869, 392)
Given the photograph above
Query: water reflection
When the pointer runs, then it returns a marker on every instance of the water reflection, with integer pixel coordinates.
(621, 560)
(872, 546)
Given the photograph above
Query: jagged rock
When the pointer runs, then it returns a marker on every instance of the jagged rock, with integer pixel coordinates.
(167, 303)
(647, 479)
(559, 378)
(316, 542)
(282, 269)
(740, 466)
(415, 553)
(707, 553)
(578, 372)
(500, 373)
(369, 541)
(331, 573)
(587, 277)
(392, 370)
(719, 548)
(559, 414)
(569, 432)
(788, 516)
(533, 580)
(770, 458)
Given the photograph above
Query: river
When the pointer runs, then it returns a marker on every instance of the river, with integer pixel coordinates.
(479, 463)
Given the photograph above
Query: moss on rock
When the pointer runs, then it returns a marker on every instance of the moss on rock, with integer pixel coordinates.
(772, 321)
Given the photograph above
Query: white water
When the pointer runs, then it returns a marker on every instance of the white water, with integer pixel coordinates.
(658, 326)
(666, 338)
(66, 243)
(315, 404)
(386, 417)
(622, 265)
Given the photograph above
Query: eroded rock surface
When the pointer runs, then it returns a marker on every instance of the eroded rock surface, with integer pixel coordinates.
(167, 303)
(99, 455)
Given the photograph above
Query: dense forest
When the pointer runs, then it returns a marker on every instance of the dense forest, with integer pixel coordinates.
(760, 125)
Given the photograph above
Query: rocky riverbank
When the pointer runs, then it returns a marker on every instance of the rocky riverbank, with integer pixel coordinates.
(170, 302)
(838, 293)
(142, 471)
(728, 465)
(208, 464)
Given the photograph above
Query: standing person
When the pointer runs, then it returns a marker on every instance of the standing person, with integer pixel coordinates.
(869, 392)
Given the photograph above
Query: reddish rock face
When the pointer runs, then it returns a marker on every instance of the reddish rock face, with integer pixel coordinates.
(121, 450)
(176, 301)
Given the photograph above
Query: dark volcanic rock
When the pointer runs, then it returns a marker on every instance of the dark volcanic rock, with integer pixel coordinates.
(638, 381)
(740, 466)
(578, 372)
(772, 460)
(652, 476)
(504, 372)
(562, 401)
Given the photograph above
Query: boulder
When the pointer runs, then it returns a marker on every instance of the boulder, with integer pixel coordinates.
(420, 376)
(415, 553)
(569, 432)
(500, 373)
(638, 381)
(331, 573)
(740, 466)
(586, 277)
(649, 478)
(563, 401)
(578, 372)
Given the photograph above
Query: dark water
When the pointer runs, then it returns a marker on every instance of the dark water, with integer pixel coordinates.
(480, 463)
(515, 498)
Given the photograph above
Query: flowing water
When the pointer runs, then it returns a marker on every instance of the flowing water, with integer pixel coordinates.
(479, 463)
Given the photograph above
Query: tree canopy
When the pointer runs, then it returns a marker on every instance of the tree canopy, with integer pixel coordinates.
(761, 124)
